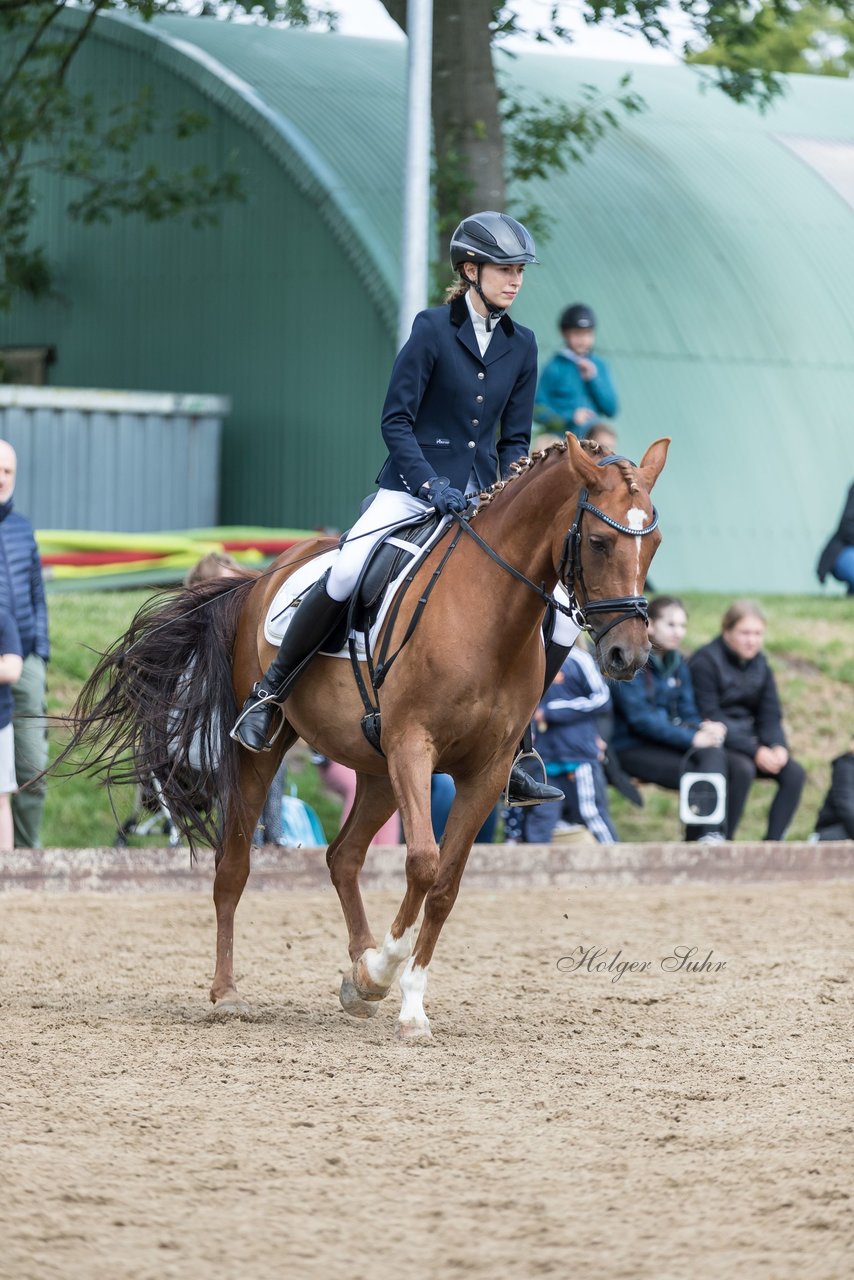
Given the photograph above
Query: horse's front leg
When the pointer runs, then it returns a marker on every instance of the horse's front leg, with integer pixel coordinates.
(472, 804)
(232, 866)
(410, 770)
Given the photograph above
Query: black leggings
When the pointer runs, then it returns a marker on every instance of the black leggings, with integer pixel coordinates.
(665, 766)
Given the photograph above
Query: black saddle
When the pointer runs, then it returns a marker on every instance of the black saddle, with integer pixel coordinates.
(382, 566)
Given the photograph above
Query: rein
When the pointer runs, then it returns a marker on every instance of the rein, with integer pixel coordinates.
(570, 572)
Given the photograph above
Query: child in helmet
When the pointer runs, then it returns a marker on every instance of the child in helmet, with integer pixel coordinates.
(575, 389)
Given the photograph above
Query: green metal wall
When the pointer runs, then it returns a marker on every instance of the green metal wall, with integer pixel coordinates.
(266, 308)
(721, 266)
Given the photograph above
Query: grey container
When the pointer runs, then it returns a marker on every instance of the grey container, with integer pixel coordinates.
(128, 462)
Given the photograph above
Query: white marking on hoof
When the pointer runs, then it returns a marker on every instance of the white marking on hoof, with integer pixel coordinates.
(383, 966)
(352, 1002)
(412, 1023)
(414, 1032)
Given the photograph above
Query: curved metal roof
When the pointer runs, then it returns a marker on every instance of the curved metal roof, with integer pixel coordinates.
(716, 244)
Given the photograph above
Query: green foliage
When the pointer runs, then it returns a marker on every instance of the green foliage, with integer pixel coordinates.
(808, 641)
(46, 126)
(813, 38)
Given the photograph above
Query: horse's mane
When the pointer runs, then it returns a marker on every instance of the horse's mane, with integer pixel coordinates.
(524, 465)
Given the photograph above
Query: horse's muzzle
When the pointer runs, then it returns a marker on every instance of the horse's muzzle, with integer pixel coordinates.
(619, 659)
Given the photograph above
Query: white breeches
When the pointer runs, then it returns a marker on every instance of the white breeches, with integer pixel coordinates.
(388, 507)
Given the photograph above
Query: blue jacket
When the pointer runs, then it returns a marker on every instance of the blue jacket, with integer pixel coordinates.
(562, 390)
(21, 584)
(10, 642)
(449, 411)
(570, 707)
(656, 707)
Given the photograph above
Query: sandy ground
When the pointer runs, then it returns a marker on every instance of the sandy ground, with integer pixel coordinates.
(664, 1125)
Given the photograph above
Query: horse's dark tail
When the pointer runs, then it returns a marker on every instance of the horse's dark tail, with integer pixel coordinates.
(159, 705)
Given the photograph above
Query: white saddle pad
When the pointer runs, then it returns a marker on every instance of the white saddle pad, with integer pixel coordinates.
(294, 588)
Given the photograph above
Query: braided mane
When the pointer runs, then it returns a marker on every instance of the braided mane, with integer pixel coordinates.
(524, 465)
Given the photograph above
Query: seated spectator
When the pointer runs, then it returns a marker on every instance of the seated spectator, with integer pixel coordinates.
(836, 818)
(735, 685)
(658, 734)
(575, 388)
(603, 434)
(837, 558)
(216, 564)
(568, 741)
(341, 780)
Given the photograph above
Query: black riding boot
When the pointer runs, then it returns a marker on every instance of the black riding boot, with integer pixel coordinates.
(522, 789)
(312, 623)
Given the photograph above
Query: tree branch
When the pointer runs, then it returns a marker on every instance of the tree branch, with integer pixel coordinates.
(51, 14)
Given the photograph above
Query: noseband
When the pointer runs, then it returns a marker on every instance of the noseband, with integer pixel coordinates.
(570, 570)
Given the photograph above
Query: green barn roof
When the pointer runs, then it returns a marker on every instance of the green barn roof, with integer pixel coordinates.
(715, 243)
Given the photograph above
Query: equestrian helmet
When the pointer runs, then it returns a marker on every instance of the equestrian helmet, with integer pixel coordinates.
(491, 237)
(578, 316)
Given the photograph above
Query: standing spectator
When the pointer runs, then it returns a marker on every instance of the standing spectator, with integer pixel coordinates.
(837, 558)
(11, 665)
(735, 685)
(22, 594)
(658, 734)
(836, 818)
(575, 388)
(569, 742)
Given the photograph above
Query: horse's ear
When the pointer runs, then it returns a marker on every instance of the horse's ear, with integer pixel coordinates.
(652, 462)
(581, 461)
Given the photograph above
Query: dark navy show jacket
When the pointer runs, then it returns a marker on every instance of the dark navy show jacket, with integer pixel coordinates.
(450, 411)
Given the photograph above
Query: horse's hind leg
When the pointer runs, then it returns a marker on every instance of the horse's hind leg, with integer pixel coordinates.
(232, 864)
(373, 806)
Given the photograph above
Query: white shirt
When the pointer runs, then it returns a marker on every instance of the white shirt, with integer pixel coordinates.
(483, 335)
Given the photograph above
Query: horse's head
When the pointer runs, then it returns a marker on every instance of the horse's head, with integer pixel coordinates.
(605, 557)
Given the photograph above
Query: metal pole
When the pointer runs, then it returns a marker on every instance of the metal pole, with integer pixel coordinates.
(415, 255)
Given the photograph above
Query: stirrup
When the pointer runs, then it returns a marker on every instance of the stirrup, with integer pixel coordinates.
(517, 759)
(259, 703)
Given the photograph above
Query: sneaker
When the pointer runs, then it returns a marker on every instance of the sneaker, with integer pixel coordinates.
(712, 837)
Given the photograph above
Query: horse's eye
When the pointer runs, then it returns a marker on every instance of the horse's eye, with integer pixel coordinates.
(598, 544)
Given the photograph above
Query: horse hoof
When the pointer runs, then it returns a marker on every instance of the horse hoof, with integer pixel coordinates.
(414, 1032)
(352, 1002)
(364, 983)
(231, 1007)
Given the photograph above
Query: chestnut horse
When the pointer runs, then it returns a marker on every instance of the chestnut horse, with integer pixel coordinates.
(457, 699)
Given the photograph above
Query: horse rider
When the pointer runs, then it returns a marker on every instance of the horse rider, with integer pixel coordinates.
(458, 413)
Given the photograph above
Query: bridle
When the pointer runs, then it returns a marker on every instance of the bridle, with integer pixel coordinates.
(570, 570)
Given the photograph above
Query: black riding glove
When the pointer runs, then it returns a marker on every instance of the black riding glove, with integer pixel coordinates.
(438, 492)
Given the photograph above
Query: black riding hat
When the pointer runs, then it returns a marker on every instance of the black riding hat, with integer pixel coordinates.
(578, 316)
(491, 237)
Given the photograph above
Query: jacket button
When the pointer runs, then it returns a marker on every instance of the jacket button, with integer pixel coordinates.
(471, 444)
(481, 376)
(479, 399)
(475, 422)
